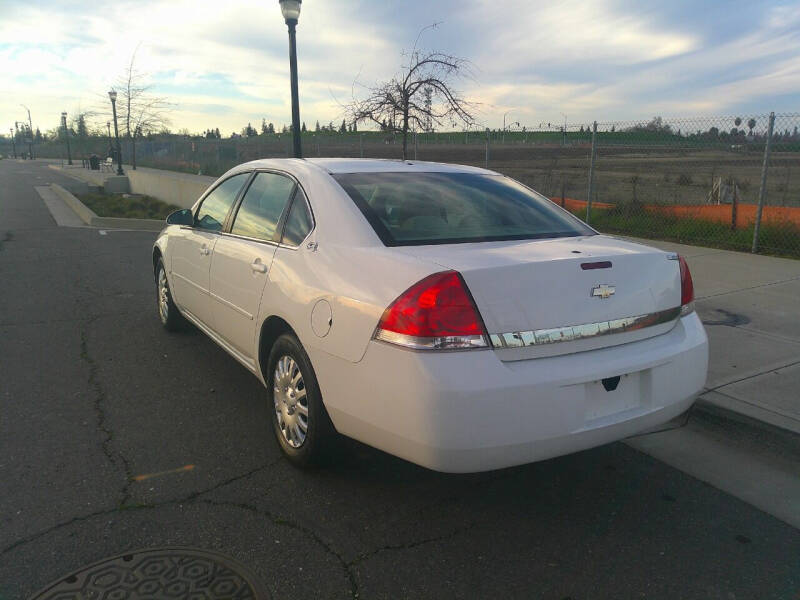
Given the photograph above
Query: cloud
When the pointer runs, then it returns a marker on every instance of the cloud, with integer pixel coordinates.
(224, 64)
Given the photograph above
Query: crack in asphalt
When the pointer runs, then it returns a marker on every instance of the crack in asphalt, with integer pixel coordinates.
(408, 545)
(122, 508)
(310, 533)
(100, 413)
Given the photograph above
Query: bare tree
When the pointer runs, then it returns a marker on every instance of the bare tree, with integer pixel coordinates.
(403, 103)
(142, 113)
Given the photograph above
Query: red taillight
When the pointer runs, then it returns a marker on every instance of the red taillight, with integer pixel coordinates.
(436, 312)
(687, 287)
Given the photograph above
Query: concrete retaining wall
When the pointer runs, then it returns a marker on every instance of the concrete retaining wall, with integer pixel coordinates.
(180, 189)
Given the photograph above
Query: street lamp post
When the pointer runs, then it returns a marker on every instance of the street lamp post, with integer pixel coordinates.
(13, 143)
(113, 96)
(66, 137)
(291, 13)
(30, 130)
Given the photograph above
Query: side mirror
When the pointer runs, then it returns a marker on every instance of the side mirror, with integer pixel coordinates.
(181, 217)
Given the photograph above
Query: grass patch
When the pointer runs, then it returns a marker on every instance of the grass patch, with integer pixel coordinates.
(635, 221)
(133, 207)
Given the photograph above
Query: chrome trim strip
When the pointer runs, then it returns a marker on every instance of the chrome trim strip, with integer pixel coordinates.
(457, 342)
(538, 337)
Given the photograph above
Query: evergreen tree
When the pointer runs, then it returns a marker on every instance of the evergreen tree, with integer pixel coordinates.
(83, 131)
(264, 129)
(284, 130)
(355, 127)
(303, 127)
(343, 127)
(317, 127)
(330, 127)
(217, 133)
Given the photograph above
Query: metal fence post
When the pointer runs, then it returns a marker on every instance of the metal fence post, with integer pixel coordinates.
(591, 173)
(762, 192)
(487, 147)
(415, 145)
(361, 144)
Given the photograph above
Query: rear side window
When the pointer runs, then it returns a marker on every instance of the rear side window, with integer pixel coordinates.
(298, 223)
(214, 209)
(262, 206)
(445, 208)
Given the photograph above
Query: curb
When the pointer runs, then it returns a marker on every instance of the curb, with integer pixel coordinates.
(88, 216)
(718, 412)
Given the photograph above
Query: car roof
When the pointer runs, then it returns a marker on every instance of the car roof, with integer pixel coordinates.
(368, 165)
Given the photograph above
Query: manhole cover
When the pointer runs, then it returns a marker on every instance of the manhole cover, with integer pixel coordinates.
(183, 573)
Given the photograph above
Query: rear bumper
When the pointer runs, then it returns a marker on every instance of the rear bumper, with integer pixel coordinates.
(469, 411)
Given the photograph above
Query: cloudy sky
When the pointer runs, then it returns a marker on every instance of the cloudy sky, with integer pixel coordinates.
(223, 64)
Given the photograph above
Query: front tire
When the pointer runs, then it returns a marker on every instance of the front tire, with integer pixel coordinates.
(300, 422)
(170, 316)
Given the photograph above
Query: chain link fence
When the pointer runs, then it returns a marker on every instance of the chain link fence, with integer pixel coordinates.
(727, 182)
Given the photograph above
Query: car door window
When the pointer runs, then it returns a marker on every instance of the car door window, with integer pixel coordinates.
(262, 206)
(298, 223)
(212, 212)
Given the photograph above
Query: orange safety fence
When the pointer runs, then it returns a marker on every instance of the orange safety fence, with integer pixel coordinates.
(721, 213)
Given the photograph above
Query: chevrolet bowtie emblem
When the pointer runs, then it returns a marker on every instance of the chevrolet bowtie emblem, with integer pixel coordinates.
(603, 291)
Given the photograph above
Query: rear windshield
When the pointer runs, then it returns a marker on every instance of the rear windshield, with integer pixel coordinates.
(408, 209)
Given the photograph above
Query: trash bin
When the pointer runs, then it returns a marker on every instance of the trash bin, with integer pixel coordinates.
(94, 162)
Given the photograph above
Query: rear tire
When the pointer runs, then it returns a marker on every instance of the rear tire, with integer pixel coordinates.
(300, 422)
(170, 316)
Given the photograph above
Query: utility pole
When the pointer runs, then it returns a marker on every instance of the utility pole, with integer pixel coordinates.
(13, 142)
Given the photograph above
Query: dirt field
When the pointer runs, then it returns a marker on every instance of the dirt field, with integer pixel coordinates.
(622, 174)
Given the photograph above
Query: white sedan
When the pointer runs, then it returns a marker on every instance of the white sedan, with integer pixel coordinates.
(445, 314)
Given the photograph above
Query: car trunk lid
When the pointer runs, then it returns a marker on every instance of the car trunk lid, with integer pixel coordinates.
(557, 296)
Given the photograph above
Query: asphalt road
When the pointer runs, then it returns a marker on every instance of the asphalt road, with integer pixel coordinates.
(93, 393)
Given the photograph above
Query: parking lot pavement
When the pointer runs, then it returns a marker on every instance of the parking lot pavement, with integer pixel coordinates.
(115, 435)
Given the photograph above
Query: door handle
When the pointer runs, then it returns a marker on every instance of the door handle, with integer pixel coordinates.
(258, 266)
(204, 250)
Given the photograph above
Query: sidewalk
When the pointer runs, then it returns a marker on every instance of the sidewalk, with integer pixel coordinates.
(750, 305)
